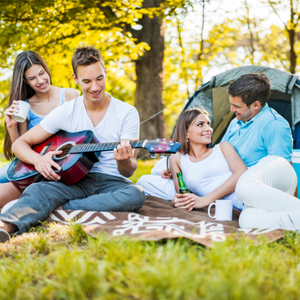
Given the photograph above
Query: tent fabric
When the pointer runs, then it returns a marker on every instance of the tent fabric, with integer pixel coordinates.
(296, 103)
(213, 96)
(279, 80)
(202, 97)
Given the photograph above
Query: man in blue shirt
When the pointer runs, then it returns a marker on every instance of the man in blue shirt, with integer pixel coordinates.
(263, 140)
(258, 130)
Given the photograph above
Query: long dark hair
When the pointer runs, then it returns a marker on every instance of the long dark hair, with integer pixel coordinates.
(183, 123)
(19, 89)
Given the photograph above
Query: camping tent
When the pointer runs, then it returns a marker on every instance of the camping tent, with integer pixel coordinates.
(284, 98)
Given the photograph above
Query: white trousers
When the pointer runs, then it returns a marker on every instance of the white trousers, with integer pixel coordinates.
(155, 185)
(267, 190)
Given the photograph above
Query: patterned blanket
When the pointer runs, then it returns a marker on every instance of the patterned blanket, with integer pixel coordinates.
(158, 220)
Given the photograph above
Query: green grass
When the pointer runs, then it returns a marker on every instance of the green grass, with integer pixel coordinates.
(144, 167)
(63, 262)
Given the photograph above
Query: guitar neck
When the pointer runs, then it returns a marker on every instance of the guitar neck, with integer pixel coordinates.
(98, 147)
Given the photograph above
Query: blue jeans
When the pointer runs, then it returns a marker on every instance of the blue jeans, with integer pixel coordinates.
(95, 192)
(3, 173)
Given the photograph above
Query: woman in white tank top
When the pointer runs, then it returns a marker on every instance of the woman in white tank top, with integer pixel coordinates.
(210, 173)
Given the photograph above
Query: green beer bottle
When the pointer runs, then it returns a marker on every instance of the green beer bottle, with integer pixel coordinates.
(182, 187)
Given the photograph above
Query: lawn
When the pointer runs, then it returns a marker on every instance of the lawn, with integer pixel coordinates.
(62, 262)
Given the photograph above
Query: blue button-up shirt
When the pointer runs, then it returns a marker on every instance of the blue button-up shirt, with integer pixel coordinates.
(268, 133)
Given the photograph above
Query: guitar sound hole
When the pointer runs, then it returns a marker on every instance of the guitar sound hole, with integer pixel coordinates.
(65, 150)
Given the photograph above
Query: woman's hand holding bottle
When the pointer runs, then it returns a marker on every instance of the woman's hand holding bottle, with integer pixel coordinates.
(184, 201)
(189, 201)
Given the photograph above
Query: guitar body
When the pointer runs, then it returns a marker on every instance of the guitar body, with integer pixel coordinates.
(79, 153)
(73, 166)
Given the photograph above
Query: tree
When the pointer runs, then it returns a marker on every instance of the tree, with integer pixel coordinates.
(149, 73)
(291, 26)
(55, 28)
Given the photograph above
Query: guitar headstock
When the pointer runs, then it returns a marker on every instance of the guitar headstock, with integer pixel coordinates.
(162, 146)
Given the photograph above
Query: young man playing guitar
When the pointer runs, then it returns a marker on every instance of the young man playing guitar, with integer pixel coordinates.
(105, 187)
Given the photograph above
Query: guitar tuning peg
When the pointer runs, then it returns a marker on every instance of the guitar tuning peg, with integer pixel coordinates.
(161, 156)
(153, 156)
(171, 143)
(157, 140)
(164, 141)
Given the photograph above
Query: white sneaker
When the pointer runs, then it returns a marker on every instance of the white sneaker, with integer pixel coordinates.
(4, 236)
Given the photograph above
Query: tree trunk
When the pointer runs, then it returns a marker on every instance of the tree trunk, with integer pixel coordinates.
(293, 56)
(199, 78)
(149, 73)
(291, 32)
(250, 33)
(290, 27)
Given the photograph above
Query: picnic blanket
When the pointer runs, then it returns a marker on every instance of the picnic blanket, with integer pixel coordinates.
(158, 220)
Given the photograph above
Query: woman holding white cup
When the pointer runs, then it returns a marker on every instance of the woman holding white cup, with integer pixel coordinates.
(32, 84)
(211, 173)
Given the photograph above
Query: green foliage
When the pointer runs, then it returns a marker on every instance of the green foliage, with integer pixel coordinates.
(120, 85)
(55, 28)
(120, 268)
(76, 233)
(4, 95)
(75, 274)
(40, 244)
(144, 167)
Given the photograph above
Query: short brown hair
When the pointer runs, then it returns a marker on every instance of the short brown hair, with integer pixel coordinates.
(85, 56)
(251, 87)
(183, 123)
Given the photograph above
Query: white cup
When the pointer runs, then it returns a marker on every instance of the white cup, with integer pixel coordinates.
(223, 210)
(22, 113)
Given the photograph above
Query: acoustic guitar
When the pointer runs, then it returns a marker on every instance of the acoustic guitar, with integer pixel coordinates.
(79, 153)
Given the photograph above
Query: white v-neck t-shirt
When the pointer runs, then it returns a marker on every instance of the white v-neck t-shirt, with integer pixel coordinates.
(121, 121)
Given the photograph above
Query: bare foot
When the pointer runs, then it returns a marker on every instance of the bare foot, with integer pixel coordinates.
(59, 207)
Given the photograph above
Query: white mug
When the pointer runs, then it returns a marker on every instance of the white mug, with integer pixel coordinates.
(223, 210)
(22, 113)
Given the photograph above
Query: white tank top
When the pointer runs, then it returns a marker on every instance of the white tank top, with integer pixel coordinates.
(205, 176)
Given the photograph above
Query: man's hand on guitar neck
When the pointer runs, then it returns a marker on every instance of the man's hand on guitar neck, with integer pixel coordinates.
(126, 158)
(44, 163)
